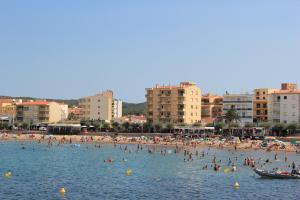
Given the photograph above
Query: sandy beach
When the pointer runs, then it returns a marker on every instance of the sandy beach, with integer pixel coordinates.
(159, 141)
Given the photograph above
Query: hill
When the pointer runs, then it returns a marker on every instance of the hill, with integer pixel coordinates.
(70, 102)
(128, 108)
(134, 108)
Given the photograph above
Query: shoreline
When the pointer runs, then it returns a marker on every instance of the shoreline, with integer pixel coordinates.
(253, 145)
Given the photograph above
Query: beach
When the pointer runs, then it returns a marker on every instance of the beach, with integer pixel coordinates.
(156, 140)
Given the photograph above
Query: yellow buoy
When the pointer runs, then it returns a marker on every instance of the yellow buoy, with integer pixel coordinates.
(62, 191)
(128, 172)
(226, 170)
(236, 185)
(8, 174)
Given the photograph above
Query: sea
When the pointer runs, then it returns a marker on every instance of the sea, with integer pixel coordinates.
(39, 172)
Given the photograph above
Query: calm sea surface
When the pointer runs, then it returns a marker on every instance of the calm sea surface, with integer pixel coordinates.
(38, 172)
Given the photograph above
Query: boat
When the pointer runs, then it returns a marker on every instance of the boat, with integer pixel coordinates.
(276, 175)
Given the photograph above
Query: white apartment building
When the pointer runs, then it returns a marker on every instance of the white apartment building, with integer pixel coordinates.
(242, 104)
(284, 107)
(117, 108)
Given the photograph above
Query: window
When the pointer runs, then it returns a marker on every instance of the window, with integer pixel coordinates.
(285, 97)
(258, 112)
(192, 106)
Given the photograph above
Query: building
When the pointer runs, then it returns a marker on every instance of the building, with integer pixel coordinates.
(211, 107)
(117, 108)
(75, 112)
(242, 104)
(174, 104)
(98, 107)
(284, 104)
(136, 119)
(35, 112)
(7, 108)
(260, 104)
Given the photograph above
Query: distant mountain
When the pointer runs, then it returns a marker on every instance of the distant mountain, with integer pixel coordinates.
(128, 108)
(134, 108)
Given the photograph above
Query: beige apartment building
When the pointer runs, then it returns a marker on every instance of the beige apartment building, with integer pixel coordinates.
(260, 104)
(7, 107)
(101, 106)
(174, 104)
(35, 112)
(211, 107)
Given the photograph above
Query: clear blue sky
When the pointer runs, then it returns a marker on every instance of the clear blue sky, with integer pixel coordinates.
(69, 49)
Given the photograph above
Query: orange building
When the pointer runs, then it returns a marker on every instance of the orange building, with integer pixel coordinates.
(211, 107)
(174, 104)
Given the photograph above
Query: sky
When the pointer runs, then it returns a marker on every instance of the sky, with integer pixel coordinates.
(70, 49)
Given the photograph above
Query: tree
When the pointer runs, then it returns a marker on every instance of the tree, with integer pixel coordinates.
(249, 125)
(116, 126)
(182, 124)
(147, 127)
(230, 117)
(126, 126)
(106, 126)
(210, 125)
(219, 125)
(197, 124)
(291, 128)
(278, 128)
(157, 127)
(25, 125)
(134, 127)
(170, 127)
(265, 125)
(71, 116)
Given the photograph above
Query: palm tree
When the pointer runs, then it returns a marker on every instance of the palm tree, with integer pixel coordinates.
(230, 117)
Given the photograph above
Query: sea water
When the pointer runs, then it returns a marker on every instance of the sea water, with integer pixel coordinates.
(38, 172)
